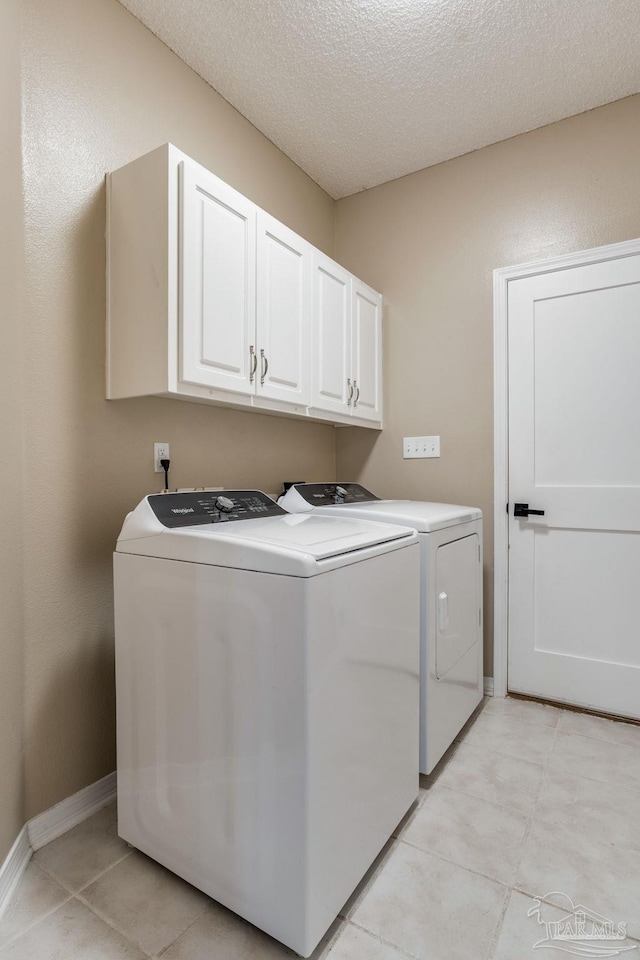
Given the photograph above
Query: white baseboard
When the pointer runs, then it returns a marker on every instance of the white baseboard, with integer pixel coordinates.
(488, 686)
(70, 812)
(13, 867)
(47, 826)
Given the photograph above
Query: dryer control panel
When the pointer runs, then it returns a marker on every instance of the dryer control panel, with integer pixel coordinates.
(326, 494)
(189, 509)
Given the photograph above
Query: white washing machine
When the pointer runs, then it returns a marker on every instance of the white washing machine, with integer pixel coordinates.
(267, 670)
(451, 684)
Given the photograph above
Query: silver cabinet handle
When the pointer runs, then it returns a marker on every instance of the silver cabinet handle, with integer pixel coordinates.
(357, 397)
(264, 367)
(253, 363)
(350, 397)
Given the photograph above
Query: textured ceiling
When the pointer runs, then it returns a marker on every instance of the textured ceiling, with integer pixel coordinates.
(358, 92)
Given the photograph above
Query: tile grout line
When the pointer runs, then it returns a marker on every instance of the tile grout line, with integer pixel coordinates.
(546, 763)
(59, 881)
(472, 745)
(508, 888)
(83, 902)
(527, 833)
(547, 768)
(69, 887)
(77, 896)
(399, 838)
(581, 776)
(526, 723)
(110, 923)
(156, 956)
(528, 816)
(44, 916)
(343, 922)
(535, 896)
(610, 743)
(454, 863)
(390, 845)
(495, 803)
(385, 943)
(533, 818)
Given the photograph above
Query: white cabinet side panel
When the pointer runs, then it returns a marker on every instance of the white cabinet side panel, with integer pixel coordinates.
(140, 257)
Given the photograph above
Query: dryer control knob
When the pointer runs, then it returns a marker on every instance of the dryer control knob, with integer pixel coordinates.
(224, 504)
(340, 493)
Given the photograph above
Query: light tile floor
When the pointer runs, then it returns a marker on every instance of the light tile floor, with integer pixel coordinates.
(530, 800)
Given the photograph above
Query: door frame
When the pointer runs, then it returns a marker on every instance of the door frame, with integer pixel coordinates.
(501, 279)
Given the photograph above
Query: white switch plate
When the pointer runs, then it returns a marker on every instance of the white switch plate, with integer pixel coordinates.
(160, 452)
(415, 448)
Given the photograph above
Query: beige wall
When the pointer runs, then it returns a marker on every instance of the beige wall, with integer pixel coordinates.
(99, 90)
(11, 267)
(430, 242)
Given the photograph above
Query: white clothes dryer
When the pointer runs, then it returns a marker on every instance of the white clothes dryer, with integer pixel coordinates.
(267, 671)
(451, 682)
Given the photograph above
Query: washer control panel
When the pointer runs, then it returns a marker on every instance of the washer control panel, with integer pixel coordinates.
(326, 494)
(189, 509)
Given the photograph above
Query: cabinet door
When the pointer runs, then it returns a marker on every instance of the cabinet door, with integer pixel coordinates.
(283, 331)
(332, 388)
(217, 282)
(366, 352)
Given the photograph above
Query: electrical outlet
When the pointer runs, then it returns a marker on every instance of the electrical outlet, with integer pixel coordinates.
(414, 448)
(160, 452)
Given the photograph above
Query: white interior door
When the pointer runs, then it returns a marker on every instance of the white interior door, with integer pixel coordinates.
(217, 282)
(574, 452)
(366, 352)
(285, 281)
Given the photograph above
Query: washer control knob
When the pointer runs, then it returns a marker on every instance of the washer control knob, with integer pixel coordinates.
(340, 493)
(224, 504)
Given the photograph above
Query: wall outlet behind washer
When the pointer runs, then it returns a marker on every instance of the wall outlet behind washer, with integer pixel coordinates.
(160, 452)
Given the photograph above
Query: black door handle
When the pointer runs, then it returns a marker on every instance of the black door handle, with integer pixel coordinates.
(522, 510)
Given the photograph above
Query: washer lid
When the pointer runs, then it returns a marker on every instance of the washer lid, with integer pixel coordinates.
(423, 515)
(296, 545)
(313, 535)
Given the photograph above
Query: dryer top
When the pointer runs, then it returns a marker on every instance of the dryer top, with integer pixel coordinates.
(356, 502)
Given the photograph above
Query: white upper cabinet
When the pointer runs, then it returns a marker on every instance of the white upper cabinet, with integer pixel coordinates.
(211, 299)
(245, 294)
(366, 351)
(217, 292)
(347, 343)
(331, 364)
(283, 313)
